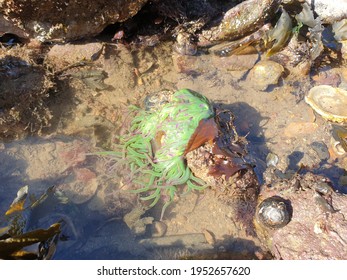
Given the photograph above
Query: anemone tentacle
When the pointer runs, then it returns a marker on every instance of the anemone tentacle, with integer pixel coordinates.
(160, 171)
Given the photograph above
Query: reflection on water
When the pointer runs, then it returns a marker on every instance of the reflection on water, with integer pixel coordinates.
(86, 119)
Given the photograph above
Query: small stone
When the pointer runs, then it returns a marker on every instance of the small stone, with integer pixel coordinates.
(321, 149)
(210, 238)
(158, 229)
(271, 159)
(265, 73)
(317, 228)
(61, 56)
(343, 181)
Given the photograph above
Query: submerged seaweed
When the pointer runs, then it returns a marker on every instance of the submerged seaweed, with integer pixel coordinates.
(306, 16)
(315, 28)
(153, 149)
(280, 34)
(18, 238)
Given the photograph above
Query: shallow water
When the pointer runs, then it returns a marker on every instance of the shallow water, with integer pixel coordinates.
(87, 120)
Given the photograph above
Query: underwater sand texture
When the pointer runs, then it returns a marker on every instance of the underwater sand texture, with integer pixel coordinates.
(272, 121)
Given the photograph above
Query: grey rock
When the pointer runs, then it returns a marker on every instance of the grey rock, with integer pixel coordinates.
(321, 149)
(329, 11)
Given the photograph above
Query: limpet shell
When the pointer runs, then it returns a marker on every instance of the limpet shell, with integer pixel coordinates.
(329, 102)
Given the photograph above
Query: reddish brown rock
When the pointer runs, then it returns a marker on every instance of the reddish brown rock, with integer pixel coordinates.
(317, 229)
(48, 20)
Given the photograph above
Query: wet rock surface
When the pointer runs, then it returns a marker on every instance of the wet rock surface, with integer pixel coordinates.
(24, 92)
(317, 228)
(95, 84)
(63, 20)
(329, 11)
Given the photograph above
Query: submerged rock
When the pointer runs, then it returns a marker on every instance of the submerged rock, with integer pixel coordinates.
(66, 20)
(24, 90)
(62, 56)
(265, 73)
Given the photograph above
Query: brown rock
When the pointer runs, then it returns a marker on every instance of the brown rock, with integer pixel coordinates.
(327, 78)
(48, 20)
(235, 62)
(9, 27)
(317, 229)
(24, 88)
(265, 73)
(60, 56)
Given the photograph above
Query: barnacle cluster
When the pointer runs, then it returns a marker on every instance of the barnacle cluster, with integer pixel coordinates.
(152, 151)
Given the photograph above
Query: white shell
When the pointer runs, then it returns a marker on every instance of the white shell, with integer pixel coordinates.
(329, 102)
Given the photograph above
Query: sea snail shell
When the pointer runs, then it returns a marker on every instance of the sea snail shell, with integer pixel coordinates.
(273, 212)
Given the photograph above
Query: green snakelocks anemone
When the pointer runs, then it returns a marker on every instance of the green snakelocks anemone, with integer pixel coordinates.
(161, 170)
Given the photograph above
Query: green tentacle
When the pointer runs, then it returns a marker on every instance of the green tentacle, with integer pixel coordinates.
(162, 173)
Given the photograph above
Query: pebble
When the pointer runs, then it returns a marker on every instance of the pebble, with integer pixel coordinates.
(321, 149)
(158, 229)
(271, 159)
(265, 73)
(210, 238)
(343, 181)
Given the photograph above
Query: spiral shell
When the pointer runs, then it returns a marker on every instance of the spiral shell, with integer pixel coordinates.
(273, 212)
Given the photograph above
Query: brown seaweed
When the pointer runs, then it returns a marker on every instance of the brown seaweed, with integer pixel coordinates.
(280, 34)
(226, 166)
(18, 202)
(12, 247)
(205, 132)
(228, 148)
(14, 237)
